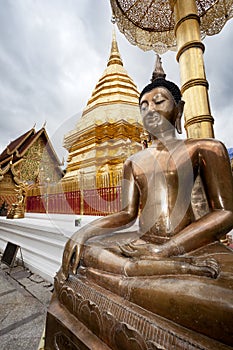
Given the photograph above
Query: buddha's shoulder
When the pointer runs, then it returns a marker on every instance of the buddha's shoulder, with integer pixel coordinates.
(204, 143)
(138, 156)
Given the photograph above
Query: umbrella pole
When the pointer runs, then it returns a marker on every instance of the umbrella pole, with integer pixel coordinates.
(190, 49)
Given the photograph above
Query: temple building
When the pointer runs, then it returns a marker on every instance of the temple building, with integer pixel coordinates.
(29, 159)
(108, 131)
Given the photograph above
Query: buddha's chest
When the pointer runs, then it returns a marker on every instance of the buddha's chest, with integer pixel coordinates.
(164, 177)
(163, 169)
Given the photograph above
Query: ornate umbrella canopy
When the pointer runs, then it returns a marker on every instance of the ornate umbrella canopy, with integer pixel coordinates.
(150, 24)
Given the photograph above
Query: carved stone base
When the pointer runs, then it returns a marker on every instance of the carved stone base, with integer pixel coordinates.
(97, 319)
(64, 332)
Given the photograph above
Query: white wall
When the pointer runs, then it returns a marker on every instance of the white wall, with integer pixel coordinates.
(42, 238)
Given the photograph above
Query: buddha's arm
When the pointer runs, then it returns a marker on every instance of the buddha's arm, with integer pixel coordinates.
(105, 225)
(216, 175)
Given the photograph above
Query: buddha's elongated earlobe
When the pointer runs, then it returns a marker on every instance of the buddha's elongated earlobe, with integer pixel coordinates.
(180, 108)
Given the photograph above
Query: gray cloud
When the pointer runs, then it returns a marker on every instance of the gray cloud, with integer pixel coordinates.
(52, 54)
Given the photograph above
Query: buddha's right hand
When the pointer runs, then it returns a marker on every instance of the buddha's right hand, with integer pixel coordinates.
(71, 258)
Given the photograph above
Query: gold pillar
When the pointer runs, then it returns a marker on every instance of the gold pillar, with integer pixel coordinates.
(81, 192)
(190, 49)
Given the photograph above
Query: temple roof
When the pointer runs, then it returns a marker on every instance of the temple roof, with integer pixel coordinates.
(14, 145)
(17, 148)
(115, 85)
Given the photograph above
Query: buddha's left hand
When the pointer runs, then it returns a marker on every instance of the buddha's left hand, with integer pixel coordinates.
(144, 250)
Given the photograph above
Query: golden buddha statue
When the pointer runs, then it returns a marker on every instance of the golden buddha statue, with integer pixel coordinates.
(17, 209)
(173, 265)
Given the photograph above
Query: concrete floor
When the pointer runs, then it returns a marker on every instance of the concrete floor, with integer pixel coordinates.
(24, 298)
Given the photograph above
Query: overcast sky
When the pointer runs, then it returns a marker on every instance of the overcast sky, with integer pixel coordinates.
(53, 52)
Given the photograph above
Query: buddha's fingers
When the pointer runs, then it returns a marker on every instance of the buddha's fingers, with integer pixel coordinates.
(68, 257)
(76, 256)
(66, 260)
(128, 252)
(133, 246)
(209, 265)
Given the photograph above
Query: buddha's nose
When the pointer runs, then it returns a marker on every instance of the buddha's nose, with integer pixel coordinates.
(152, 106)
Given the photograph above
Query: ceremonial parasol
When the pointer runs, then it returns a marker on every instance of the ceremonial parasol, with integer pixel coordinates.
(180, 25)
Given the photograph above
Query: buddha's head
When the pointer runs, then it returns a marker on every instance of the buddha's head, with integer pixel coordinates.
(160, 103)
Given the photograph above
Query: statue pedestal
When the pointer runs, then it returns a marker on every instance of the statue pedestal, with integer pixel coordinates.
(64, 332)
(85, 316)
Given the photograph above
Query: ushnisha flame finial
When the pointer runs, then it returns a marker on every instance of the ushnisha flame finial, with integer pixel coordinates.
(158, 80)
(158, 72)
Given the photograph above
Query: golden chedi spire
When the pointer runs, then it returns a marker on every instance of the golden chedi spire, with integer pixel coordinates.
(108, 130)
(115, 57)
(115, 85)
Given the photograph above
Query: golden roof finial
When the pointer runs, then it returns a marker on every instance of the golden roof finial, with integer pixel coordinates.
(158, 71)
(115, 85)
(115, 57)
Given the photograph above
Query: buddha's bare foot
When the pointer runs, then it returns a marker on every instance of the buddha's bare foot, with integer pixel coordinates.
(207, 267)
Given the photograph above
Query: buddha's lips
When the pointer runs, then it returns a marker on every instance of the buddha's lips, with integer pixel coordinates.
(153, 119)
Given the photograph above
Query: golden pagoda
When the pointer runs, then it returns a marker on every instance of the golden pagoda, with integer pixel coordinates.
(108, 130)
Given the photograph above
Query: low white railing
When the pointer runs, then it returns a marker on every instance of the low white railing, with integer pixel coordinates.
(42, 238)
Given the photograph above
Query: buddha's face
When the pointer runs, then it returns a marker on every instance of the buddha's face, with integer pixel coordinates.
(158, 110)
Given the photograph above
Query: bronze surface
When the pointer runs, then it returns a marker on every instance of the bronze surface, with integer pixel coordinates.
(174, 265)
